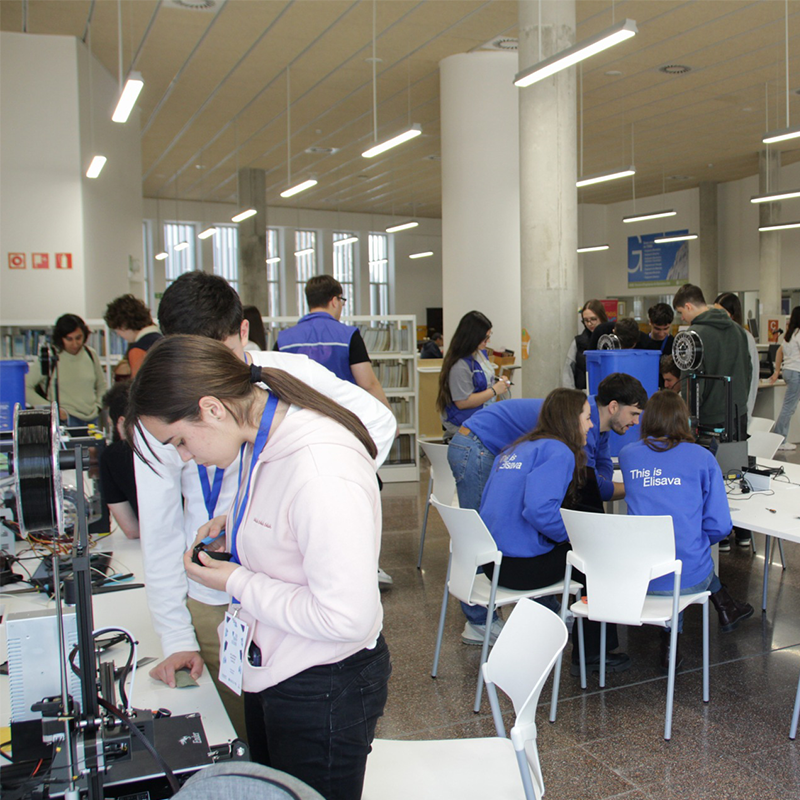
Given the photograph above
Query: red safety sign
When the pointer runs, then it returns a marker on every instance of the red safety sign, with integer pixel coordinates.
(63, 260)
(40, 260)
(16, 260)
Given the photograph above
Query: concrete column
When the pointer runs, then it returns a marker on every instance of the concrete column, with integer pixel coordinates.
(548, 197)
(480, 192)
(709, 242)
(253, 239)
(769, 243)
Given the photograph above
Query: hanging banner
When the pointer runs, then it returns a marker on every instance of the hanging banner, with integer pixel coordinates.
(651, 264)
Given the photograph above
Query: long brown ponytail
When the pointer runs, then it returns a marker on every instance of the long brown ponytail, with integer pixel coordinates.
(179, 370)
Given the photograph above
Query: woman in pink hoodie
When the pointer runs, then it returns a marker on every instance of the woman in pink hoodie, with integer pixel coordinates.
(297, 552)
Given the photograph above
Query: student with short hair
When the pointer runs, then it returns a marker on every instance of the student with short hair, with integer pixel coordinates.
(666, 473)
(660, 317)
(130, 318)
(670, 374)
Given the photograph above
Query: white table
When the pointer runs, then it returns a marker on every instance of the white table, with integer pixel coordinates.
(128, 609)
(776, 514)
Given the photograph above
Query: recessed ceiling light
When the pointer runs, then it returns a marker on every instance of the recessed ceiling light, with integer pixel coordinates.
(613, 72)
(679, 177)
(200, 166)
(325, 151)
(674, 69)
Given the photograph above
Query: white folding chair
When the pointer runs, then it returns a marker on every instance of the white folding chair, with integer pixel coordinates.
(760, 424)
(763, 444)
(620, 555)
(441, 482)
(519, 664)
(472, 546)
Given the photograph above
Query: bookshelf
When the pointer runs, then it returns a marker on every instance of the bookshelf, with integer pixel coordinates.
(21, 341)
(391, 343)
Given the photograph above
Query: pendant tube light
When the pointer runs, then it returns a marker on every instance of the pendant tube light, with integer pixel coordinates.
(181, 246)
(779, 226)
(246, 213)
(683, 237)
(594, 248)
(403, 226)
(162, 255)
(651, 215)
(601, 177)
(348, 240)
(300, 187)
(775, 197)
(578, 52)
(414, 131)
(781, 135)
(425, 254)
(98, 162)
(207, 233)
(243, 215)
(96, 167)
(274, 260)
(128, 97)
(773, 137)
(306, 252)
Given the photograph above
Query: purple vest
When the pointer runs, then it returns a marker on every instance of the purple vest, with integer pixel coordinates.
(322, 338)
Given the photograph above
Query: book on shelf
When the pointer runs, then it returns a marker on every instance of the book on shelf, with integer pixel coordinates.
(391, 374)
(402, 451)
(385, 339)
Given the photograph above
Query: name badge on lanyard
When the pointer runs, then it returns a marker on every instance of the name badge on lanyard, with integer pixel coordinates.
(234, 641)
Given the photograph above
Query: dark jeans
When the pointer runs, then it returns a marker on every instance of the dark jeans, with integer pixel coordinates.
(319, 724)
(547, 569)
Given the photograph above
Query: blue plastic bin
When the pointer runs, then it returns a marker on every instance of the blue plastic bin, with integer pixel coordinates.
(642, 364)
(12, 390)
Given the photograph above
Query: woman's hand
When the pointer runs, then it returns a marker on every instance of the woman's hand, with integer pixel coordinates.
(212, 529)
(501, 387)
(213, 574)
(772, 378)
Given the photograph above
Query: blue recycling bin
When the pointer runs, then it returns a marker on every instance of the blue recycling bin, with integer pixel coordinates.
(12, 390)
(641, 364)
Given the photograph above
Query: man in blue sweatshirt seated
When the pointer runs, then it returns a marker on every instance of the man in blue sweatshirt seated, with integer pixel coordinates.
(618, 404)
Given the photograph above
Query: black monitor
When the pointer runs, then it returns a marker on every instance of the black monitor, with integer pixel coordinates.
(752, 324)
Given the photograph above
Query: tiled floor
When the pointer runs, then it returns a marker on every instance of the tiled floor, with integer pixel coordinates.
(608, 743)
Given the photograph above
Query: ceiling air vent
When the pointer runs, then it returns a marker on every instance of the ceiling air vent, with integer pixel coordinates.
(674, 69)
(322, 151)
(194, 5)
(501, 43)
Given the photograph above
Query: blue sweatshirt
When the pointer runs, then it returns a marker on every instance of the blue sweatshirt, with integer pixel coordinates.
(685, 483)
(500, 424)
(521, 503)
(598, 453)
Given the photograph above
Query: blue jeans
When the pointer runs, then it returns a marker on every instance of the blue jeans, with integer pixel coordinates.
(790, 399)
(709, 583)
(319, 724)
(471, 464)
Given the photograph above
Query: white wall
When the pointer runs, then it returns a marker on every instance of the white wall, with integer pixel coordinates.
(418, 283)
(47, 204)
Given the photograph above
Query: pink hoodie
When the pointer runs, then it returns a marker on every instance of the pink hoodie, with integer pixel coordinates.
(309, 545)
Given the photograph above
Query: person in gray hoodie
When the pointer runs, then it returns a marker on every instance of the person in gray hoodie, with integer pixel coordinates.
(725, 352)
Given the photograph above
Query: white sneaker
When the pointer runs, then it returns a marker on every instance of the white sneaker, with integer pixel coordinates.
(473, 634)
(384, 578)
(787, 446)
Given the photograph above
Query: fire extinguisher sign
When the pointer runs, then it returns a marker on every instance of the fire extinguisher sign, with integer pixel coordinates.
(63, 260)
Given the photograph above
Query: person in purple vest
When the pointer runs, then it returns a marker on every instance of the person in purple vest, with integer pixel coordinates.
(320, 336)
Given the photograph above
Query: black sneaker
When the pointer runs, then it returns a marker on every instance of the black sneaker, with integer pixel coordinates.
(725, 545)
(744, 541)
(615, 662)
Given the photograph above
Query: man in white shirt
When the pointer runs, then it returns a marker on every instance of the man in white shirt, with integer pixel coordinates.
(176, 498)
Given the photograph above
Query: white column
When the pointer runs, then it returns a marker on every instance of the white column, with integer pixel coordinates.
(548, 197)
(480, 192)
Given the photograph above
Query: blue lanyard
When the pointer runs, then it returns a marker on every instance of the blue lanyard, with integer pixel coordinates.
(239, 505)
(210, 493)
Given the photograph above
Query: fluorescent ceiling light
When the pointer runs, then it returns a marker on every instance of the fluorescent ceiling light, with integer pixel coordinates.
(593, 248)
(780, 226)
(206, 233)
(421, 255)
(96, 167)
(307, 252)
(301, 187)
(162, 256)
(599, 177)
(403, 226)
(414, 131)
(684, 237)
(772, 198)
(781, 135)
(652, 215)
(127, 100)
(578, 52)
(275, 260)
(348, 240)
(243, 215)
(181, 246)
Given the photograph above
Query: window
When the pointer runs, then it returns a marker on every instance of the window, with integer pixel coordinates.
(273, 273)
(183, 260)
(226, 254)
(378, 274)
(305, 243)
(344, 257)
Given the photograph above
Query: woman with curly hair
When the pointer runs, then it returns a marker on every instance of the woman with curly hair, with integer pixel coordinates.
(130, 318)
